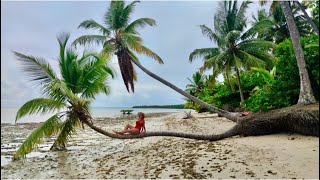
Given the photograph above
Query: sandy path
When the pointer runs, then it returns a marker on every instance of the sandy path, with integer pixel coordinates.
(94, 156)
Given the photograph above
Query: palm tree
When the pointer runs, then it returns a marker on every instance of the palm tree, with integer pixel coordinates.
(310, 21)
(276, 28)
(306, 94)
(197, 84)
(69, 97)
(263, 33)
(236, 49)
(120, 37)
(279, 28)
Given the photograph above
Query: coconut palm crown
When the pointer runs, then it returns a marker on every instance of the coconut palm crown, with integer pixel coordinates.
(120, 36)
(68, 97)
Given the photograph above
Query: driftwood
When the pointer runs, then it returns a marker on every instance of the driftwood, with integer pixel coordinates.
(188, 115)
(301, 119)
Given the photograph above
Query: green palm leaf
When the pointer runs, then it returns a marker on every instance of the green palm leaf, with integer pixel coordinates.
(208, 32)
(108, 48)
(46, 129)
(203, 52)
(249, 60)
(38, 69)
(142, 22)
(63, 39)
(91, 24)
(256, 44)
(39, 105)
(115, 16)
(233, 36)
(68, 128)
(135, 44)
(89, 39)
(264, 24)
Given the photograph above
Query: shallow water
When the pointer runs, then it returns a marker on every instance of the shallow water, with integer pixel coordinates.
(85, 140)
(8, 114)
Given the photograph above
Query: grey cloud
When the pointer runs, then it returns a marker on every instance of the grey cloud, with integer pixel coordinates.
(175, 37)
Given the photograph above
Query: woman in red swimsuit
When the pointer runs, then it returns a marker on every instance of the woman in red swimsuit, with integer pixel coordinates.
(134, 129)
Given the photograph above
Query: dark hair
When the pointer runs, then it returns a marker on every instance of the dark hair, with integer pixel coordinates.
(141, 113)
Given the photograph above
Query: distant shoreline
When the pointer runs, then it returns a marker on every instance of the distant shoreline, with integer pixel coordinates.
(178, 106)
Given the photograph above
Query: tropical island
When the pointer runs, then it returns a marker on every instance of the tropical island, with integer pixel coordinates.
(265, 120)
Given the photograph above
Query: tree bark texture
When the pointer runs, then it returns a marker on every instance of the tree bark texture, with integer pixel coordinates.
(240, 86)
(306, 93)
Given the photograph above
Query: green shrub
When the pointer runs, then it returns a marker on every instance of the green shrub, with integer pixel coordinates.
(284, 91)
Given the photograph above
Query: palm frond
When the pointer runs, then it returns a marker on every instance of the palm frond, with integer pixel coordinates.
(208, 32)
(135, 44)
(59, 91)
(91, 24)
(89, 39)
(67, 129)
(256, 44)
(62, 40)
(46, 129)
(203, 52)
(108, 48)
(249, 60)
(264, 24)
(233, 36)
(38, 69)
(39, 105)
(242, 10)
(115, 15)
(141, 22)
(94, 81)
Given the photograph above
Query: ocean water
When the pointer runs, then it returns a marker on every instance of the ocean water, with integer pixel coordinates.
(8, 114)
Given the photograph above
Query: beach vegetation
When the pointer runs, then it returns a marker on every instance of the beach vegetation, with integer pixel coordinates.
(68, 95)
(237, 49)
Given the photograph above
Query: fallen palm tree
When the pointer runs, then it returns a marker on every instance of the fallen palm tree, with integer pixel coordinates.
(302, 119)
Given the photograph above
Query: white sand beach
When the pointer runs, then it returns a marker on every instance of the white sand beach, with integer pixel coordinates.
(93, 156)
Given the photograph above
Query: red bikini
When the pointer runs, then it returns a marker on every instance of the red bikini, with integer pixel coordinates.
(139, 125)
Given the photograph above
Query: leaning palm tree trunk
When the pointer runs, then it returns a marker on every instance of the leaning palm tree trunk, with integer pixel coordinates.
(229, 115)
(314, 26)
(235, 130)
(306, 93)
(302, 119)
(240, 87)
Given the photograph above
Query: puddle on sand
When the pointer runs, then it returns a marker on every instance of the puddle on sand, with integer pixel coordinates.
(5, 160)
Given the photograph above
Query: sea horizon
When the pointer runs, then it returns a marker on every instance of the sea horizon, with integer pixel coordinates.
(8, 113)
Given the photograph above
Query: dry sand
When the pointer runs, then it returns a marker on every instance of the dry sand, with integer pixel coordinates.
(94, 156)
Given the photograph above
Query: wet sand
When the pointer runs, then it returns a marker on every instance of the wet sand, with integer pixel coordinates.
(94, 156)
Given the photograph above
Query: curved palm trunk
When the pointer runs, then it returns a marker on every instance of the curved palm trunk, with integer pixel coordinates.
(240, 86)
(229, 81)
(314, 26)
(295, 119)
(211, 137)
(229, 115)
(306, 93)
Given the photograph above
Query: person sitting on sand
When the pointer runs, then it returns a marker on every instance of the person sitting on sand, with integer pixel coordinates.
(136, 129)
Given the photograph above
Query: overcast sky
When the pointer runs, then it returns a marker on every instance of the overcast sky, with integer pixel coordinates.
(31, 28)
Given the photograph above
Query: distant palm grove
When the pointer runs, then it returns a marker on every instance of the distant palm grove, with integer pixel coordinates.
(256, 57)
(268, 61)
